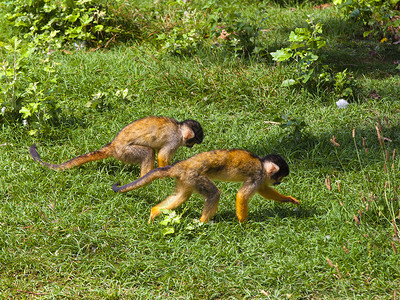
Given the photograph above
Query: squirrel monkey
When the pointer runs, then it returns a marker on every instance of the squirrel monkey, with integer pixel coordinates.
(137, 143)
(194, 174)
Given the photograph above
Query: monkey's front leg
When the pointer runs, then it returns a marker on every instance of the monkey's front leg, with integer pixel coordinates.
(270, 193)
(242, 201)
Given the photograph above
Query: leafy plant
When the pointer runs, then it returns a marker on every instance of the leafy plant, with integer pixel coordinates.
(186, 30)
(342, 84)
(303, 51)
(309, 69)
(240, 34)
(170, 221)
(64, 20)
(172, 224)
(180, 41)
(292, 126)
(13, 62)
(377, 16)
(39, 109)
(103, 101)
(35, 104)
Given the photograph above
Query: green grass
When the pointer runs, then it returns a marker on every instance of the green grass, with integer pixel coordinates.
(68, 235)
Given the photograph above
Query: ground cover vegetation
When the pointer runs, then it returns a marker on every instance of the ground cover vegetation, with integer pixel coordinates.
(258, 75)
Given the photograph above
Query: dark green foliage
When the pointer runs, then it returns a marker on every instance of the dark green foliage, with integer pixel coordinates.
(380, 18)
(62, 20)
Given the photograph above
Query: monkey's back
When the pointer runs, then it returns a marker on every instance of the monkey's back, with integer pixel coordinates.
(151, 132)
(227, 165)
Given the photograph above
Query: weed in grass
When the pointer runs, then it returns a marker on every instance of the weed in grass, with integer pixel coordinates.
(378, 203)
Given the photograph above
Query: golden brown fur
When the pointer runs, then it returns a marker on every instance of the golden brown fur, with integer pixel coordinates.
(137, 142)
(195, 173)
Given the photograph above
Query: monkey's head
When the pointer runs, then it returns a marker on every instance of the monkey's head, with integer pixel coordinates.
(192, 133)
(276, 168)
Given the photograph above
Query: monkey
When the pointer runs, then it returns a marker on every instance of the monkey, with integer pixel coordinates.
(137, 143)
(195, 173)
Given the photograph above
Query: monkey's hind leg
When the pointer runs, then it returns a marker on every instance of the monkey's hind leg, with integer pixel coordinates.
(181, 195)
(148, 162)
(135, 154)
(208, 189)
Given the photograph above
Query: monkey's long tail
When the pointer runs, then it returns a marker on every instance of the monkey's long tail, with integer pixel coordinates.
(75, 162)
(144, 180)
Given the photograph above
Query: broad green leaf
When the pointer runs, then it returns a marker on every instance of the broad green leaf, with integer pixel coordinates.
(297, 45)
(288, 82)
(98, 28)
(25, 112)
(32, 131)
(168, 230)
(281, 54)
(72, 18)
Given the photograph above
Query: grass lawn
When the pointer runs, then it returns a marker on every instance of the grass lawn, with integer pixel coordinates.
(67, 235)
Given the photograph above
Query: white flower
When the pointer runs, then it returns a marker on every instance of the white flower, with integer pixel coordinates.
(98, 95)
(341, 103)
(25, 122)
(80, 46)
(3, 110)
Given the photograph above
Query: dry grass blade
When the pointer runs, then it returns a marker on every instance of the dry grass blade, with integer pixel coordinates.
(328, 183)
(333, 141)
(334, 266)
(338, 186)
(380, 124)
(330, 262)
(378, 132)
(395, 228)
(394, 248)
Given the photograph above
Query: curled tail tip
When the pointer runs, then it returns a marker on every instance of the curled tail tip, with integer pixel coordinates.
(116, 187)
(32, 148)
(33, 152)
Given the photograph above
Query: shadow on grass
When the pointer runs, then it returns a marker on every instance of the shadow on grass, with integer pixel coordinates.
(115, 168)
(264, 214)
(318, 152)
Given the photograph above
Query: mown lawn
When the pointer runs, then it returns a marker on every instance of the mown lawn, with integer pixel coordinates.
(67, 235)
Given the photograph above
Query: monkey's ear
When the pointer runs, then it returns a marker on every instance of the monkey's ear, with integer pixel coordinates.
(187, 133)
(271, 168)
